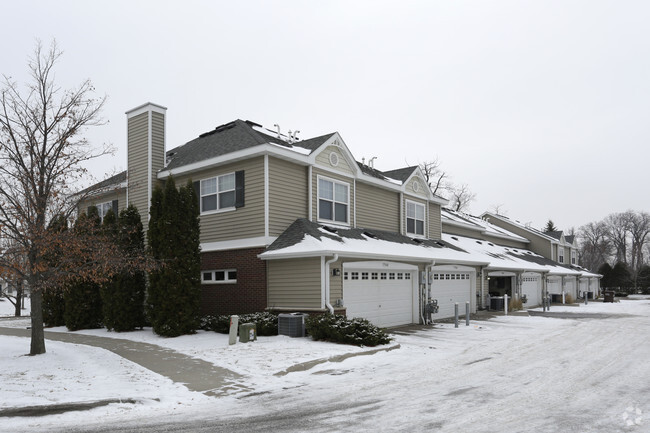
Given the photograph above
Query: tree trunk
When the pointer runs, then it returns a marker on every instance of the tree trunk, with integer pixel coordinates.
(38, 336)
(19, 298)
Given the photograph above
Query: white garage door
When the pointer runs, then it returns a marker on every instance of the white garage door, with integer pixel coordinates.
(570, 287)
(584, 286)
(449, 288)
(554, 286)
(384, 297)
(531, 288)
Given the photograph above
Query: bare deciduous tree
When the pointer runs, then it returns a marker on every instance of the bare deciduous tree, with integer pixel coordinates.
(436, 178)
(460, 197)
(595, 246)
(41, 151)
(618, 228)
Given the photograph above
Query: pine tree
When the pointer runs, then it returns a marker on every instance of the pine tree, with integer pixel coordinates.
(53, 299)
(174, 289)
(123, 296)
(83, 302)
(550, 227)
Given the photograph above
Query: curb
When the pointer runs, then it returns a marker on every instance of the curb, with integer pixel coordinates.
(304, 366)
(55, 409)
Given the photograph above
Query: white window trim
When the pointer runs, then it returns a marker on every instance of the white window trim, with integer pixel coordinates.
(213, 281)
(560, 255)
(218, 209)
(99, 207)
(406, 218)
(574, 258)
(334, 181)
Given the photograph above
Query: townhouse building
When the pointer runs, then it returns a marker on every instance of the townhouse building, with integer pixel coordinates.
(291, 224)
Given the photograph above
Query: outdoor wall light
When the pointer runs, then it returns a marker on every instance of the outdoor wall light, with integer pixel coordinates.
(336, 272)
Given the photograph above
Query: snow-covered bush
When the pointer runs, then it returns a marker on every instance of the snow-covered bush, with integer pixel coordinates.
(266, 323)
(340, 329)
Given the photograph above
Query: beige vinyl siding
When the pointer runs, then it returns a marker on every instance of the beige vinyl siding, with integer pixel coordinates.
(336, 282)
(158, 144)
(377, 208)
(294, 283)
(119, 195)
(461, 231)
(138, 164)
(314, 186)
(288, 194)
(241, 223)
(537, 244)
(323, 158)
(506, 242)
(435, 225)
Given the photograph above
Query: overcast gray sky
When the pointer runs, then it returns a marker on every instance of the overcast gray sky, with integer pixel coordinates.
(541, 107)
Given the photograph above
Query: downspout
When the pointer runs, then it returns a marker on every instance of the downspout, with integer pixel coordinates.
(327, 282)
(483, 288)
(427, 288)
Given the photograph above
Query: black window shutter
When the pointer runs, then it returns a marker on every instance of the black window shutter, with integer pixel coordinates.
(197, 190)
(239, 188)
(114, 205)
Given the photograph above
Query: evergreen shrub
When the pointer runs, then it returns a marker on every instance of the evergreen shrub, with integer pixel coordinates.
(340, 329)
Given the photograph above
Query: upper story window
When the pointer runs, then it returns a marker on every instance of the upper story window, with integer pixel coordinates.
(414, 218)
(560, 255)
(573, 257)
(218, 193)
(333, 200)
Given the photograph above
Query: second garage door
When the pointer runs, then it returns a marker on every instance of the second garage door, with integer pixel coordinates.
(532, 289)
(449, 287)
(384, 297)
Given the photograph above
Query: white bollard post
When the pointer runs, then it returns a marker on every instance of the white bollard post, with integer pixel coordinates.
(456, 315)
(466, 313)
(586, 297)
(563, 297)
(505, 304)
(232, 335)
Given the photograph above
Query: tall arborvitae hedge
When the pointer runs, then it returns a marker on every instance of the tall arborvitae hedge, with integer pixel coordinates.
(123, 297)
(53, 300)
(174, 289)
(83, 302)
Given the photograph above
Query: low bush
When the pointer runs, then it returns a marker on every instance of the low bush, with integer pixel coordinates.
(266, 323)
(340, 329)
(568, 299)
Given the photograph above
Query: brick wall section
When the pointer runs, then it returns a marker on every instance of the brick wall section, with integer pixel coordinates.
(248, 295)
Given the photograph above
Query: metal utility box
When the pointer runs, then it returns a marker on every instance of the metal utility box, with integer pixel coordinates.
(496, 303)
(247, 332)
(608, 296)
(292, 325)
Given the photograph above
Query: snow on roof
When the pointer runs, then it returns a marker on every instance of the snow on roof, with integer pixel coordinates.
(523, 226)
(479, 224)
(306, 238)
(508, 258)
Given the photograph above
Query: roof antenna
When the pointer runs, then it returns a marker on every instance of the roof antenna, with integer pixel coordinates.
(278, 126)
(295, 135)
(371, 162)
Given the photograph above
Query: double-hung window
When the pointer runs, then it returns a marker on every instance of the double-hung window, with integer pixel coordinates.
(333, 201)
(218, 193)
(560, 255)
(414, 218)
(573, 257)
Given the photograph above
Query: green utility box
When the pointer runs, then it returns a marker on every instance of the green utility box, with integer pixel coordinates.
(247, 332)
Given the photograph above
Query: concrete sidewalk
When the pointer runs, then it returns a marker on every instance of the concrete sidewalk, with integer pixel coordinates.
(196, 374)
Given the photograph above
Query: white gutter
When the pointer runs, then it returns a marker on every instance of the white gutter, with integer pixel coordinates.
(327, 282)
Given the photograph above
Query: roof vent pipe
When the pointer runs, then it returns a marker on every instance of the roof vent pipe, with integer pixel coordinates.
(371, 162)
(278, 126)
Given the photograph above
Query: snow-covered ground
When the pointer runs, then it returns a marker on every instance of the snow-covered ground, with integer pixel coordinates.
(508, 374)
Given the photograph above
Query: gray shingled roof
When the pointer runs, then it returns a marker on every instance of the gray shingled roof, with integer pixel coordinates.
(228, 138)
(569, 238)
(365, 169)
(112, 181)
(554, 234)
(297, 231)
(401, 174)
